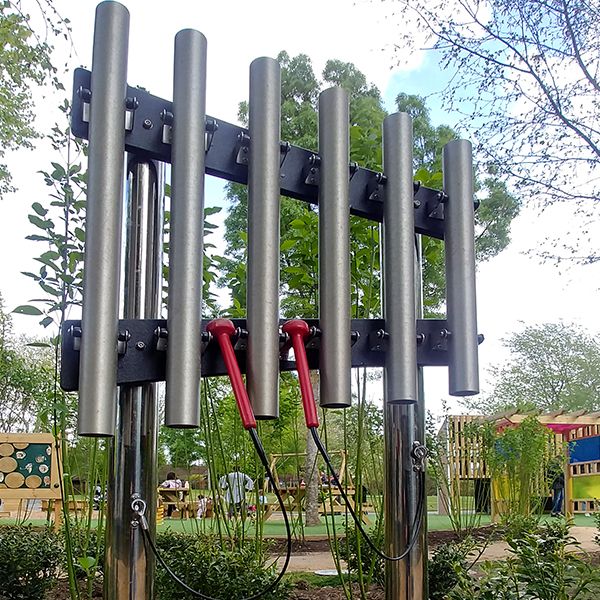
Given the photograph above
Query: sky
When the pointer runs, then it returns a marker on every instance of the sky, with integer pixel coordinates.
(514, 289)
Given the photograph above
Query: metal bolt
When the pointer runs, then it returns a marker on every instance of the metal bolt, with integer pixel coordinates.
(135, 524)
(140, 345)
(416, 203)
(147, 124)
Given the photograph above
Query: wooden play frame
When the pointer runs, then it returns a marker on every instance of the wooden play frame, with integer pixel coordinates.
(53, 492)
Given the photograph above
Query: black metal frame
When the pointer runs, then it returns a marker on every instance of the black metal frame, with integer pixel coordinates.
(142, 355)
(143, 344)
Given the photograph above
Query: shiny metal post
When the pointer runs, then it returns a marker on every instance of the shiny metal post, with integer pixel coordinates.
(398, 260)
(129, 569)
(98, 359)
(404, 424)
(263, 237)
(182, 405)
(459, 235)
(334, 249)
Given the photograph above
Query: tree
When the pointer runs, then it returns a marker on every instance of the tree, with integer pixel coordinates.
(299, 222)
(526, 78)
(25, 63)
(553, 366)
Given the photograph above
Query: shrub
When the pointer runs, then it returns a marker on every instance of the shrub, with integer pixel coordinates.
(542, 565)
(446, 565)
(206, 566)
(29, 562)
(372, 566)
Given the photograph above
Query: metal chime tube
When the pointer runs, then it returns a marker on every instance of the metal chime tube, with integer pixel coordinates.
(334, 249)
(98, 359)
(263, 237)
(398, 260)
(182, 406)
(459, 235)
(129, 570)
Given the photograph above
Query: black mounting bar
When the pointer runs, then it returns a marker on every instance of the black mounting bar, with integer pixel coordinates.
(148, 130)
(143, 343)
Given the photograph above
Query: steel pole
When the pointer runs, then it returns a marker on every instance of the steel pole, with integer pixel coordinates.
(404, 424)
(459, 236)
(98, 359)
(398, 260)
(182, 405)
(263, 237)
(129, 570)
(334, 249)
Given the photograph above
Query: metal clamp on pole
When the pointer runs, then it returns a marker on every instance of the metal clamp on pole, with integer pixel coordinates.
(222, 330)
(299, 331)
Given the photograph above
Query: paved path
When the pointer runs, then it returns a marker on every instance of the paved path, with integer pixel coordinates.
(315, 561)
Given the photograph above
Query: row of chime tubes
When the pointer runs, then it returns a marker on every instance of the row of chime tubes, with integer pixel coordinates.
(98, 361)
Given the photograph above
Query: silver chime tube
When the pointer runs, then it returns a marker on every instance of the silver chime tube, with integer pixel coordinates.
(334, 249)
(98, 359)
(398, 260)
(182, 405)
(463, 367)
(263, 237)
(129, 569)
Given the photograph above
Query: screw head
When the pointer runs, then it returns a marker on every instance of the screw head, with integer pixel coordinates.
(140, 345)
(147, 124)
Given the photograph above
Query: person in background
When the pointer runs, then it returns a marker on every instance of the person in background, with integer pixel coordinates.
(558, 491)
(171, 482)
(203, 506)
(236, 484)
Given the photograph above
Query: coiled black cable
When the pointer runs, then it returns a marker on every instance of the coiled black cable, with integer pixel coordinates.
(417, 521)
(263, 459)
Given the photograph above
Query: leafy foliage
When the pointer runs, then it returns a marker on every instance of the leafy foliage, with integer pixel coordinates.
(205, 565)
(543, 564)
(25, 63)
(29, 562)
(552, 366)
(525, 77)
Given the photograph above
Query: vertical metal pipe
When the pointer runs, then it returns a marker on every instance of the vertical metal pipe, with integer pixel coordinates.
(334, 249)
(129, 570)
(463, 368)
(182, 405)
(263, 237)
(98, 359)
(404, 424)
(398, 260)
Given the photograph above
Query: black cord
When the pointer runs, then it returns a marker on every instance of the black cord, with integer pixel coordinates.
(418, 519)
(263, 459)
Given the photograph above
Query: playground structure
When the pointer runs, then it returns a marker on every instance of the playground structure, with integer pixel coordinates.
(30, 470)
(577, 434)
(331, 501)
(115, 364)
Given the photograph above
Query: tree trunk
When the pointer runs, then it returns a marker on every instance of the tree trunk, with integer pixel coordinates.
(311, 471)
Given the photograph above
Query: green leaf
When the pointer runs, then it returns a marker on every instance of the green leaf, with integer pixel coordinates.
(86, 562)
(39, 209)
(38, 345)
(287, 244)
(41, 223)
(27, 309)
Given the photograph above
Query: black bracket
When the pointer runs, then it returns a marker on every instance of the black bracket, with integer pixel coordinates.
(143, 345)
(149, 135)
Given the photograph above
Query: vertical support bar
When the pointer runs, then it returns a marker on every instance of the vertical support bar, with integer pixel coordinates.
(404, 424)
(182, 405)
(334, 249)
(129, 570)
(398, 260)
(263, 237)
(459, 235)
(98, 359)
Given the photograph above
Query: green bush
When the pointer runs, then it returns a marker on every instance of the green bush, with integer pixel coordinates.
(203, 564)
(446, 565)
(372, 565)
(541, 565)
(29, 562)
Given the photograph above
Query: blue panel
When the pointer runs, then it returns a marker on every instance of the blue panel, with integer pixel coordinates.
(587, 449)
